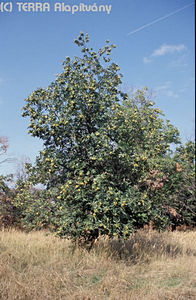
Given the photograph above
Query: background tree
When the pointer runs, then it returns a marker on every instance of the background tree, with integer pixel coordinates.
(7, 216)
(184, 200)
(3, 147)
(21, 168)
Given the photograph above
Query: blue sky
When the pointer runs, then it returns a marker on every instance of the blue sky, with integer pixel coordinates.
(155, 48)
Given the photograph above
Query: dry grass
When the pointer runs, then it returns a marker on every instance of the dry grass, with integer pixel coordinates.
(149, 266)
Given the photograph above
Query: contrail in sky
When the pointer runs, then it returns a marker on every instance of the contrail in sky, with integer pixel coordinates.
(160, 19)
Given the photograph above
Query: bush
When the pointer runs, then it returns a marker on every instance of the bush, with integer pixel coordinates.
(34, 206)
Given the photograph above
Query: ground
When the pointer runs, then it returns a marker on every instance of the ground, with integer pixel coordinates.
(150, 265)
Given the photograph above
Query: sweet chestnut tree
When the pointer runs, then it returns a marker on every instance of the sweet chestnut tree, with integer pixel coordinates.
(105, 156)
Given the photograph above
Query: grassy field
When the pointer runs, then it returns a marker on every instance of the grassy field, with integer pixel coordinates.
(149, 266)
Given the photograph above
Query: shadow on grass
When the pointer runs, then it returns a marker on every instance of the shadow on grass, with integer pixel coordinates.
(140, 247)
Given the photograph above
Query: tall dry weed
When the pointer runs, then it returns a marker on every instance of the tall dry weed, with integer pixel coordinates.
(149, 265)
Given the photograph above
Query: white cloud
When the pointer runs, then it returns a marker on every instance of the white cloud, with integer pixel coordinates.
(164, 50)
(164, 86)
(147, 60)
(168, 49)
(166, 90)
(171, 94)
(180, 62)
(188, 85)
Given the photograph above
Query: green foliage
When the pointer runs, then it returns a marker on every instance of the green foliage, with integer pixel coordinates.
(8, 214)
(106, 163)
(183, 180)
(34, 206)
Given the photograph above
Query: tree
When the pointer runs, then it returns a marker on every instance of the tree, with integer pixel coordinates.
(21, 172)
(184, 200)
(6, 208)
(3, 146)
(105, 157)
(3, 149)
